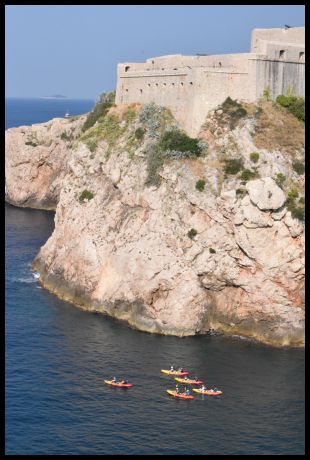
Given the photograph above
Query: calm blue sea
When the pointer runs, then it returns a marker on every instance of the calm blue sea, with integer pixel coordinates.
(58, 355)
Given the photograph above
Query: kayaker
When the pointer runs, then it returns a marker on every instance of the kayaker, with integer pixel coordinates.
(113, 380)
(203, 388)
(187, 392)
(177, 388)
(171, 369)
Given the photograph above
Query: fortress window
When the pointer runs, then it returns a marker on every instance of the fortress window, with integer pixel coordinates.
(282, 54)
(172, 84)
(164, 84)
(175, 68)
(127, 68)
(182, 83)
(140, 90)
(220, 64)
(301, 57)
(152, 62)
(149, 84)
(156, 84)
(190, 82)
(126, 90)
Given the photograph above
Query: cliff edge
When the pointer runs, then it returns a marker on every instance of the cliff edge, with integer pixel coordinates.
(173, 241)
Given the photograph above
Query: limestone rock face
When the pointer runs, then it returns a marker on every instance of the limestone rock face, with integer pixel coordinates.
(126, 251)
(265, 194)
(36, 161)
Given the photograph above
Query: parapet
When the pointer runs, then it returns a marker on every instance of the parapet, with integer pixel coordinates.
(292, 35)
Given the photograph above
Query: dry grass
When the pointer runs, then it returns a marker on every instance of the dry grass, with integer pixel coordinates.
(195, 166)
(277, 129)
(121, 110)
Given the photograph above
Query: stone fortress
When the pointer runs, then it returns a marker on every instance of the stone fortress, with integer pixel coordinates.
(191, 86)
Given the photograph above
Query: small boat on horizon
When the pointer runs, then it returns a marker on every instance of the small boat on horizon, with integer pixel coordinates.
(67, 114)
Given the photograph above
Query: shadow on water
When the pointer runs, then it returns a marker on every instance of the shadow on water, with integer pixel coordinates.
(57, 357)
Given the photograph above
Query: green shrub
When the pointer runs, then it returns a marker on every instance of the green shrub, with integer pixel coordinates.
(233, 165)
(100, 109)
(294, 104)
(200, 185)
(241, 192)
(150, 115)
(212, 251)
(234, 110)
(293, 194)
(192, 233)
(302, 200)
(86, 194)
(299, 167)
(298, 212)
(91, 144)
(279, 179)
(155, 160)
(267, 93)
(175, 141)
(254, 156)
(65, 137)
(247, 174)
(139, 133)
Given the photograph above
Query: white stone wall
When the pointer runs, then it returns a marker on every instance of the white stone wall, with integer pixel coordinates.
(191, 86)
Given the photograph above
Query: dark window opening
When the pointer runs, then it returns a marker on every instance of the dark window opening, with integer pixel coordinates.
(282, 54)
(182, 83)
(141, 91)
(127, 68)
(149, 84)
(302, 57)
(190, 82)
(152, 62)
(126, 90)
(220, 64)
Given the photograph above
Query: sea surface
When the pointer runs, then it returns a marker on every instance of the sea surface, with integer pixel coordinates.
(57, 357)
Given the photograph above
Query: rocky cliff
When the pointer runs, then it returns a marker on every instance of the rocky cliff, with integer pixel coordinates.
(175, 244)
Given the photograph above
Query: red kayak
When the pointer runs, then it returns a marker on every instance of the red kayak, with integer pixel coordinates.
(118, 384)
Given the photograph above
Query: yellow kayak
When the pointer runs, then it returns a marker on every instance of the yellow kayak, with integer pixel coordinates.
(179, 395)
(189, 381)
(177, 373)
(207, 392)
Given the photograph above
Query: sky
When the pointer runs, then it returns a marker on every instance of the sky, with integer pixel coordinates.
(74, 49)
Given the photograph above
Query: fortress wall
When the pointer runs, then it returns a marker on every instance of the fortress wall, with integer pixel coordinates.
(279, 77)
(166, 89)
(188, 91)
(191, 86)
(292, 35)
(288, 52)
(213, 88)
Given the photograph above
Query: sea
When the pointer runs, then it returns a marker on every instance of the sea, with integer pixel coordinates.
(57, 357)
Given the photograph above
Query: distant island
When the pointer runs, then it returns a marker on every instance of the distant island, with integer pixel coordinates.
(56, 96)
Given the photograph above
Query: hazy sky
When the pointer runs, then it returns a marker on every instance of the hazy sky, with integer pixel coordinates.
(74, 50)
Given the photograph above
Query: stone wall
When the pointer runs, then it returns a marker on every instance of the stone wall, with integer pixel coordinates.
(191, 86)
